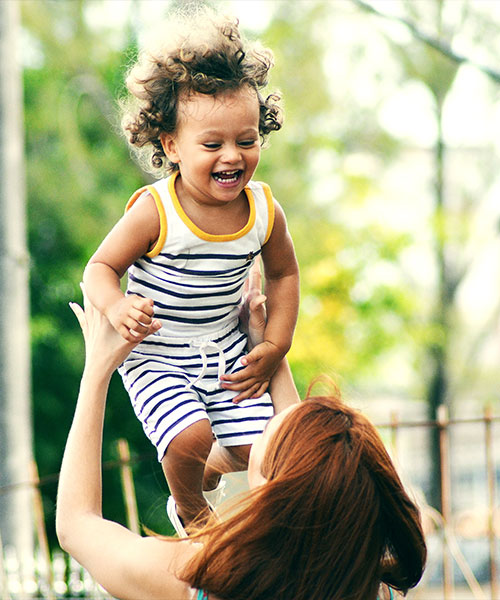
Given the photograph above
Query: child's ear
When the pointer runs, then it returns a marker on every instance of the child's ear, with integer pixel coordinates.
(169, 146)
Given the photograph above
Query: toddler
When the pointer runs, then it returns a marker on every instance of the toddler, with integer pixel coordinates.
(188, 242)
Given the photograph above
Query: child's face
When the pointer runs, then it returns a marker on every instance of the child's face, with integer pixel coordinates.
(216, 144)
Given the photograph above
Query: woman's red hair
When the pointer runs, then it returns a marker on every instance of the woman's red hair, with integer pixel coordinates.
(332, 522)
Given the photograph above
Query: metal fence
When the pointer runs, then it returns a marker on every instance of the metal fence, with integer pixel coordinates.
(463, 539)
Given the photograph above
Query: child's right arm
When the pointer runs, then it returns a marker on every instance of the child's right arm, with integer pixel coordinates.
(132, 237)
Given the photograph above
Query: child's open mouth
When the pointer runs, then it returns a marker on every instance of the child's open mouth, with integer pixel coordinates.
(227, 177)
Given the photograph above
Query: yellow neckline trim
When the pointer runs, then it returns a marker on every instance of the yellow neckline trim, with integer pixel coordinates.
(211, 237)
(160, 242)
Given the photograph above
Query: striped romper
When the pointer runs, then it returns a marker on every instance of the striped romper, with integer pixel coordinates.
(195, 280)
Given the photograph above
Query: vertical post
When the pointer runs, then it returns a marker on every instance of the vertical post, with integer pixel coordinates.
(443, 424)
(16, 520)
(490, 477)
(394, 433)
(128, 486)
(4, 590)
(43, 543)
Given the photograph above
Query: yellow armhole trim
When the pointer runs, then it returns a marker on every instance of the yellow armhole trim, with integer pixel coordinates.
(211, 237)
(270, 210)
(160, 242)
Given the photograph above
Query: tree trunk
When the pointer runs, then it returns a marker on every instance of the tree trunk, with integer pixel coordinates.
(16, 525)
(437, 390)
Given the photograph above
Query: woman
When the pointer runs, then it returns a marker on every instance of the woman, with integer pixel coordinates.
(326, 518)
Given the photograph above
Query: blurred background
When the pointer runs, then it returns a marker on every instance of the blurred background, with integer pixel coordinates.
(387, 169)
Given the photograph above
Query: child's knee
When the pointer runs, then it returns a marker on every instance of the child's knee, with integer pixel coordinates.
(194, 442)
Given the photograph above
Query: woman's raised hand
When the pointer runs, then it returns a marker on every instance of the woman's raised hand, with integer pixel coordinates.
(253, 310)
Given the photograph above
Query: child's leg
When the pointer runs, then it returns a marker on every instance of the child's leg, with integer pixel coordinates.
(184, 465)
(224, 459)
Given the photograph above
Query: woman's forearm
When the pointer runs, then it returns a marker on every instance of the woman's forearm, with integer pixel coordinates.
(80, 485)
(282, 387)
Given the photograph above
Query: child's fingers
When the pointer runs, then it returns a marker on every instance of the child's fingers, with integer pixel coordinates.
(253, 356)
(143, 305)
(141, 317)
(135, 332)
(255, 391)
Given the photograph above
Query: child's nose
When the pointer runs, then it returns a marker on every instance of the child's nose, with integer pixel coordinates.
(232, 154)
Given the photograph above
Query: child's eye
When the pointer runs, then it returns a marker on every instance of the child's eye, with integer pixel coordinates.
(211, 145)
(247, 143)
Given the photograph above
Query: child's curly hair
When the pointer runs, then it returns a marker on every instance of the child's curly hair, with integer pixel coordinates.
(197, 53)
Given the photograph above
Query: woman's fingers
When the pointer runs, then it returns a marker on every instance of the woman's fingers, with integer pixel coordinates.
(80, 315)
(255, 276)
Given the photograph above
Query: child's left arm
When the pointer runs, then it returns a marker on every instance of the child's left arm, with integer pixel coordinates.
(282, 291)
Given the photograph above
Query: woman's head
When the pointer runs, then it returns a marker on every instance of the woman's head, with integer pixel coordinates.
(198, 53)
(331, 462)
(332, 519)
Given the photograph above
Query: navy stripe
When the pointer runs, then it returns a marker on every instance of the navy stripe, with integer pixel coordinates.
(247, 256)
(228, 334)
(172, 425)
(193, 321)
(165, 398)
(156, 341)
(157, 288)
(152, 341)
(241, 420)
(181, 363)
(176, 282)
(148, 372)
(217, 273)
(213, 407)
(238, 434)
(200, 307)
(138, 365)
(162, 376)
(181, 360)
(168, 412)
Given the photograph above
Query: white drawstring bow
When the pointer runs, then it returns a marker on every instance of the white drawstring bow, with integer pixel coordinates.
(202, 346)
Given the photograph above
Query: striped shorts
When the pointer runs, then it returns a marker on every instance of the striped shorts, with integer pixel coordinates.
(174, 383)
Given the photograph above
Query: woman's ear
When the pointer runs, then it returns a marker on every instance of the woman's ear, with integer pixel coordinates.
(169, 146)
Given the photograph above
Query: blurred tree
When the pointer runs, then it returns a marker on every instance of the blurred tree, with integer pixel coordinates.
(342, 329)
(16, 524)
(455, 209)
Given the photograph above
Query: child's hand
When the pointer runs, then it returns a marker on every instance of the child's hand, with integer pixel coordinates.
(253, 380)
(103, 346)
(132, 317)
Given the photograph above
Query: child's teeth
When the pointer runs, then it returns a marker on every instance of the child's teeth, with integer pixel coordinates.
(227, 176)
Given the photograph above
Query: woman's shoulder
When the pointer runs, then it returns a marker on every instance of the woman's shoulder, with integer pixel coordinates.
(155, 569)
